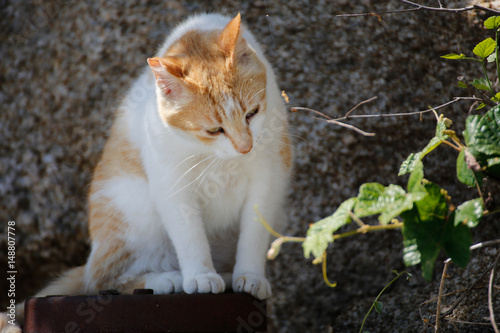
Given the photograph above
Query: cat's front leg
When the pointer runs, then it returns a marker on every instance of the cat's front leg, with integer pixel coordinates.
(249, 271)
(185, 228)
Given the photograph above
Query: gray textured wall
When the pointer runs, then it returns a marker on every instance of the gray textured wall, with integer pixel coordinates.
(65, 64)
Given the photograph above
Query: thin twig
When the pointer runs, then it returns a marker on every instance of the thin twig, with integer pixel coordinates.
(490, 294)
(440, 295)
(338, 121)
(491, 212)
(451, 145)
(474, 284)
(398, 275)
(301, 108)
(432, 300)
(458, 301)
(354, 128)
(359, 104)
(418, 7)
(484, 244)
(458, 321)
(356, 219)
(325, 276)
(402, 114)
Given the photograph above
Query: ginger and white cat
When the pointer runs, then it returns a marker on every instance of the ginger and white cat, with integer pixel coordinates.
(200, 139)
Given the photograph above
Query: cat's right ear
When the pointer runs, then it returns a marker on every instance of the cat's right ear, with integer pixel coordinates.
(167, 74)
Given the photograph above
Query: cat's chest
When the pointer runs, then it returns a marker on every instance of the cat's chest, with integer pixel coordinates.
(220, 190)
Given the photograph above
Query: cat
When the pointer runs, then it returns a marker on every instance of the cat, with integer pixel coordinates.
(199, 141)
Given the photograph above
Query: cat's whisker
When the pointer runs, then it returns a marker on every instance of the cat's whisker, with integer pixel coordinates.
(205, 173)
(184, 160)
(248, 90)
(299, 137)
(194, 180)
(256, 94)
(188, 170)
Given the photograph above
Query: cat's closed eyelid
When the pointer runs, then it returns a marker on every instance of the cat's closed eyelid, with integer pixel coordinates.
(215, 131)
(252, 113)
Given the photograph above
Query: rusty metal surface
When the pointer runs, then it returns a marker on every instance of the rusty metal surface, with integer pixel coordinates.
(145, 312)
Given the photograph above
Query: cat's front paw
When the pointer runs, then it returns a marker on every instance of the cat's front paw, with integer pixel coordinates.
(204, 283)
(164, 283)
(253, 284)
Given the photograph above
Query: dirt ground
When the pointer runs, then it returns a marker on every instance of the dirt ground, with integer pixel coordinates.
(66, 64)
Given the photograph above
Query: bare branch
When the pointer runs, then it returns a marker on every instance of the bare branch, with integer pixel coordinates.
(484, 244)
(418, 7)
(354, 128)
(490, 295)
(338, 121)
(300, 108)
(440, 296)
(359, 104)
(402, 114)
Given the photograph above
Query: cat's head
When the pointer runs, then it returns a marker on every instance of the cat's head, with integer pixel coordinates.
(212, 86)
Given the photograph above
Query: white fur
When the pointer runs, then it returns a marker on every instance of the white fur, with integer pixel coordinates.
(196, 213)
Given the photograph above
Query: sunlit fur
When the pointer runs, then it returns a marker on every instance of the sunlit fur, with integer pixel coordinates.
(171, 205)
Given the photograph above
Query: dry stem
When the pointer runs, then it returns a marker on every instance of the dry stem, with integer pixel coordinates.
(418, 7)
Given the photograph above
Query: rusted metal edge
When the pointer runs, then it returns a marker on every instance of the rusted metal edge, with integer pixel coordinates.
(144, 312)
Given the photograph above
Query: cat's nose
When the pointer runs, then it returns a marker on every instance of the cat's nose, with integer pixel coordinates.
(242, 142)
(245, 149)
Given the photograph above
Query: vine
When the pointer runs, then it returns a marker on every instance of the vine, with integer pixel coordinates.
(423, 211)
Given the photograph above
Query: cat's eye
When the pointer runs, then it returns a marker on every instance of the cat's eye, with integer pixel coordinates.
(252, 113)
(215, 130)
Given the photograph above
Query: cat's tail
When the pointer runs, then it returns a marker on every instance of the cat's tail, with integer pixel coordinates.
(69, 283)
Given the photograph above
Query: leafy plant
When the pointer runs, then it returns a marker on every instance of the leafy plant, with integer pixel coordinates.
(485, 50)
(424, 211)
(377, 305)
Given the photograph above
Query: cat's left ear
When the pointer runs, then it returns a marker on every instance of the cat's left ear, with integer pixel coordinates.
(167, 73)
(230, 37)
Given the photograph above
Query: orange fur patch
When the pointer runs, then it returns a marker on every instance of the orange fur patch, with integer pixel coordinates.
(119, 156)
(286, 151)
(109, 261)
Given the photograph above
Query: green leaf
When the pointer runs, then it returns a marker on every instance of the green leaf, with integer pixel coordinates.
(412, 160)
(492, 22)
(494, 166)
(388, 201)
(492, 57)
(409, 164)
(457, 241)
(485, 48)
(469, 213)
(428, 228)
(480, 106)
(471, 125)
(482, 136)
(423, 230)
(461, 84)
(320, 233)
(493, 162)
(421, 241)
(454, 56)
(411, 254)
(415, 180)
(378, 306)
(465, 174)
(480, 84)
(496, 98)
(487, 136)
